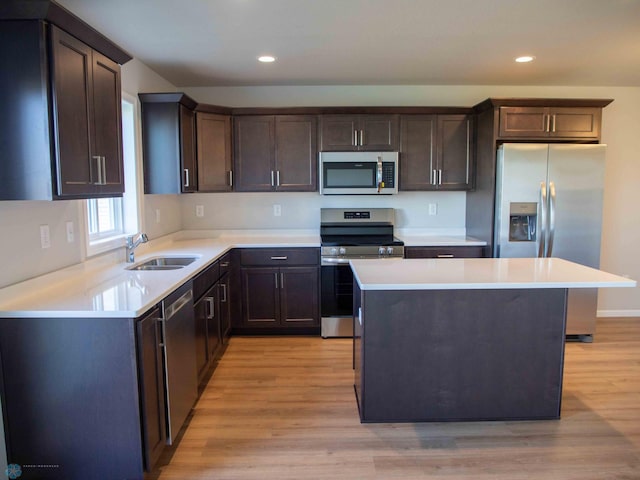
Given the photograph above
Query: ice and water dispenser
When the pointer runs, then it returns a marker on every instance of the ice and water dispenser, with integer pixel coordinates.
(522, 221)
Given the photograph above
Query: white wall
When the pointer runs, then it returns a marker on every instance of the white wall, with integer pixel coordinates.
(621, 127)
(302, 210)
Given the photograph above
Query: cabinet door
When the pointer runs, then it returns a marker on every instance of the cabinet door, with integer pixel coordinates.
(339, 133)
(454, 152)
(299, 293)
(188, 149)
(518, 122)
(225, 307)
(378, 132)
(417, 152)
(214, 152)
(151, 378)
(201, 310)
(575, 122)
(107, 112)
(296, 153)
(254, 153)
(261, 306)
(76, 164)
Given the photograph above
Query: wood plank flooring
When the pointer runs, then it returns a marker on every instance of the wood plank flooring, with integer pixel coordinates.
(284, 408)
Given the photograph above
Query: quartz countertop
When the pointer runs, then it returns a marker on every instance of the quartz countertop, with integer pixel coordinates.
(480, 273)
(109, 290)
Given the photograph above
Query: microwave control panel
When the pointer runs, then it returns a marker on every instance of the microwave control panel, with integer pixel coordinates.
(388, 174)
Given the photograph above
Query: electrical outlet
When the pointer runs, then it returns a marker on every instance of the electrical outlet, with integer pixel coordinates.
(157, 215)
(277, 210)
(45, 236)
(433, 209)
(199, 210)
(70, 233)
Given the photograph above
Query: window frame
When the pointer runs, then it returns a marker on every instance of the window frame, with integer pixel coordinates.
(130, 212)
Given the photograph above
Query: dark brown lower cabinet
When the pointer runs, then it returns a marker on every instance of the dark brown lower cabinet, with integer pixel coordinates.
(445, 252)
(207, 330)
(280, 297)
(150, 371)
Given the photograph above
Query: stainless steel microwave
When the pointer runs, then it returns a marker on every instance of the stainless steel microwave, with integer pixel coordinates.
(358, 173)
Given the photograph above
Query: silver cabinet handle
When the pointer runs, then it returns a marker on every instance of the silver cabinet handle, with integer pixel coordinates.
(445, 255)
(355, 138)
(211, 313)
(433, 177)
(224, 293)
(440, 177)
(281, 280)
(547, 125)
(361, 137)
(280, 258)
(224, 264)
(230, 178)
(277, 178)
(276, 275)
(186, 177)
(553, 124)
(104, 170)
(273, 184)
(97, 159)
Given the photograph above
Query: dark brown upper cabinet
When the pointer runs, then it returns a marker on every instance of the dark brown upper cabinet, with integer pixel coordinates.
(213, 139)
(275, 153)
(436, 152)
(169, 143)
(61, 130)
(343, 133)
(550, 122)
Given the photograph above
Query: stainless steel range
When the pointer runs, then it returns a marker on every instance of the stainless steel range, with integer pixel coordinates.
(347, 234)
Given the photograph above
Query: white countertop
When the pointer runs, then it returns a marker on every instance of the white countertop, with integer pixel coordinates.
(108, 290)
(480, 273)
(416, 239)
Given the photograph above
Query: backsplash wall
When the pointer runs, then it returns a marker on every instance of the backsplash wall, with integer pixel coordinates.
(302, 210)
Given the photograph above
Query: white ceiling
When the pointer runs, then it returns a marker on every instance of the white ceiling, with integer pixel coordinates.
(376, 42)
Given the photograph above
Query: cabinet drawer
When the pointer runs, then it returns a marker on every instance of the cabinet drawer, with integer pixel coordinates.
(205, 280)
(280, 256)
(225, 263)
(444, 252)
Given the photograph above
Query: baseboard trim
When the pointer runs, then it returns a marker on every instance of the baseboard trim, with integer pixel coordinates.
(618, 313)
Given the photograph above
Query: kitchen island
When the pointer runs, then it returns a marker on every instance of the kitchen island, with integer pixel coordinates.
(463, 339)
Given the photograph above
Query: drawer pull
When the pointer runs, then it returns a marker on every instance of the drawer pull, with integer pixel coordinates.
(446, 255)
(280, 258)
(224, 264)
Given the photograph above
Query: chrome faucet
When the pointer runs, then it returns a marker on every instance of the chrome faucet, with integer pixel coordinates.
(132, 242)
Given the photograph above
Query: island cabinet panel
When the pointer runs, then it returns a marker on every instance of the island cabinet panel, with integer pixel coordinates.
(71, 402)
(550, 122)
(444, 355)
(343, 133)
(280, 290)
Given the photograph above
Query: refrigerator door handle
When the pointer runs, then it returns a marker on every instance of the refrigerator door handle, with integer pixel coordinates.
(552, 218)
(542, 220)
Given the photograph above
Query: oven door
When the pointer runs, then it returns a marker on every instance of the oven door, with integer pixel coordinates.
(336, 306)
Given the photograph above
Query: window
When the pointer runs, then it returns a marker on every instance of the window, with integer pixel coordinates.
(110, 219)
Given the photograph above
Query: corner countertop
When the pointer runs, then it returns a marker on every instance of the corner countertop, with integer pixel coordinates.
(107, 289)
(480, 273)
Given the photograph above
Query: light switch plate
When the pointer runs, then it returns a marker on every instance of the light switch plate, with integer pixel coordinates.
(277, 210)
(433, 209)
(199, 210)
(70, 232)
(45, 236)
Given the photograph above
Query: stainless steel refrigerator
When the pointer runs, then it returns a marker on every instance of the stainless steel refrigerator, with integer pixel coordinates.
(549, 204)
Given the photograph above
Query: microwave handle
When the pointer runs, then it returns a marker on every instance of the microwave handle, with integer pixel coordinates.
(379, 176)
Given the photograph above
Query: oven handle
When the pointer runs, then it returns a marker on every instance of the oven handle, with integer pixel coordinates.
(334, 261)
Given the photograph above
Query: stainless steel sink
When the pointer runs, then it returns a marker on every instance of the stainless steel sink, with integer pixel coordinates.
(164, 263)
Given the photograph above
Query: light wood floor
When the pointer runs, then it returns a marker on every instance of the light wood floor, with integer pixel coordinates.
(284, 408)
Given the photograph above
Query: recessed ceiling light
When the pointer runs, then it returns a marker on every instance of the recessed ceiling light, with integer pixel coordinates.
(525, 59)
(266, 59)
